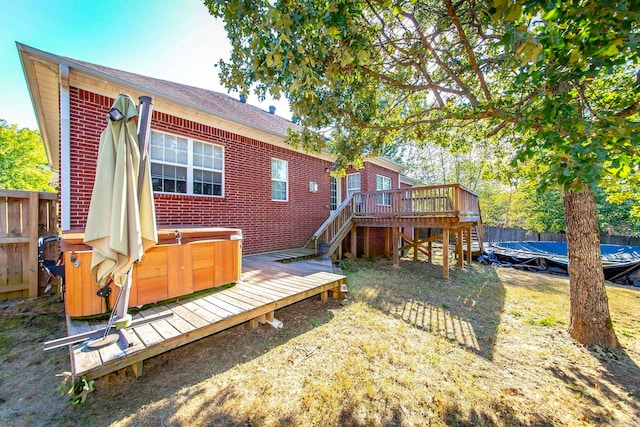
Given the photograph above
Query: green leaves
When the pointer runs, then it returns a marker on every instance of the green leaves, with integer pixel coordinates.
(528, 52)
(23, 163)
(611, 49)
(79, 391)
(551, 14)
(506, 10)
(559, 76)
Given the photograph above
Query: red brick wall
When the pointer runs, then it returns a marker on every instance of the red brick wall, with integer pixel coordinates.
(266, 225)
(368, 177)
(376, 242)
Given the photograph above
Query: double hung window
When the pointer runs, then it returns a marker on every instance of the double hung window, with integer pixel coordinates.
(186, 166)
(383, 183)
(353, 183)
(279, 180)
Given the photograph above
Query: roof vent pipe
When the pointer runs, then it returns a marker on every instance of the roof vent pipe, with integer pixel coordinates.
(243, 98)
(272, 109)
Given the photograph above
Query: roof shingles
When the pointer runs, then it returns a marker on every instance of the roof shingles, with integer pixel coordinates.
(211, 102)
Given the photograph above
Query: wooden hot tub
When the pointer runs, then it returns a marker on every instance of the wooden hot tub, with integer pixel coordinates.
(186, 260)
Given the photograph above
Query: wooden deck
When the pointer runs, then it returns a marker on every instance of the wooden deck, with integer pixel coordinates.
(269, 282)
(444, 210)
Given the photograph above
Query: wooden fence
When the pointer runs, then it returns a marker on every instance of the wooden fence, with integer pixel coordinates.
(24, 217)
(501, 234)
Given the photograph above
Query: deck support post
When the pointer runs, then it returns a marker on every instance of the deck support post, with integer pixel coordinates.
(445, 252)
(262, 319)
(415, 234)
(354, 241)
(324, 296)
(396, 249)
(337, 292)
(469, 256)
(387, 250)
(137, 369)
(366, 242)
(459, 250)
(429, 246)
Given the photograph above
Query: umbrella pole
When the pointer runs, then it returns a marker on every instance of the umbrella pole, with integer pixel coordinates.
(122, 318)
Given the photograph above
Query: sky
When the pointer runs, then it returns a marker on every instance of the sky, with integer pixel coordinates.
(175, 40)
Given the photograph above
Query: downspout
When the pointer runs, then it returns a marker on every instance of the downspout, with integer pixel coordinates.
(65, 149)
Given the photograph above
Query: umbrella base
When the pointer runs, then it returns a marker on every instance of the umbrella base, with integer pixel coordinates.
(103, 341)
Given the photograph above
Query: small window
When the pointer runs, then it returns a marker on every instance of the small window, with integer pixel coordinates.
(207, 169)
(279, 180)
(169, 161)
(353, 183)
(383, 183)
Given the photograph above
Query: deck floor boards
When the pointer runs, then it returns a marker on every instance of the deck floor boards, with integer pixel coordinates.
(175, 320)
(269, 282)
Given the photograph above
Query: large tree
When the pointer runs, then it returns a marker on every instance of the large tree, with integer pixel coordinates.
(23, 162)
(557, 78)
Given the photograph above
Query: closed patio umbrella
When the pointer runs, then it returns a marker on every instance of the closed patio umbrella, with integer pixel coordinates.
(121, 223)
(119, 227)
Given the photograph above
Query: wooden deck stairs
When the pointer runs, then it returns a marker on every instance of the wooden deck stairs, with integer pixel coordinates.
(476, 240)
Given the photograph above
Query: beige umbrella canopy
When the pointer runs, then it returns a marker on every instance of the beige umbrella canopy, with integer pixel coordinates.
(121, 223)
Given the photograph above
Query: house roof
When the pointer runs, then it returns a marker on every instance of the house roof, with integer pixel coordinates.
(408, 180)
(46, 72)
(215, 103)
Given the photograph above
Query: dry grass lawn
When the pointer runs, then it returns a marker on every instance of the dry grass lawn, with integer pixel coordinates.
(485, 347)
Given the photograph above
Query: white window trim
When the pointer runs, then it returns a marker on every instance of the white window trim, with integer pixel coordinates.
(189, 166)
(384, 178)
(286, 182)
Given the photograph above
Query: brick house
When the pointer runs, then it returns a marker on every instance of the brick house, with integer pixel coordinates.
(215, 160)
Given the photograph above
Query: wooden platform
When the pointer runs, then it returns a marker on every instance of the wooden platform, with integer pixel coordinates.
(267, 284)
(443, 210)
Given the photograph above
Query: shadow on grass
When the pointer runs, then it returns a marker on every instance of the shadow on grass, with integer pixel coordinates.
(501, 414)
(174, 378)
(617, 368)
(464, 308)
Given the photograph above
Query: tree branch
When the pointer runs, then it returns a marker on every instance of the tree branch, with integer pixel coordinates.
(467, 46)
(464, 88)
(421, 67)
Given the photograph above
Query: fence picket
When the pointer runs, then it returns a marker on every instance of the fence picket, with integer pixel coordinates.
(503, 234)
(24, 217)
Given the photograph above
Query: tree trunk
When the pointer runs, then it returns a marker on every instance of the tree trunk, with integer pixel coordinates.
(505, 223)
(590, 322)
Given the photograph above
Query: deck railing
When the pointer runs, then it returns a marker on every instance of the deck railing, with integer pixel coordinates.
(335, 224)
(435, 201)
(451, 200)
